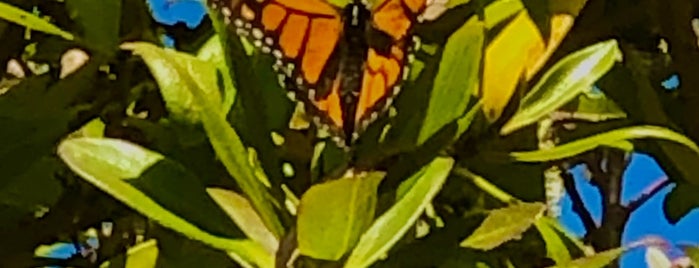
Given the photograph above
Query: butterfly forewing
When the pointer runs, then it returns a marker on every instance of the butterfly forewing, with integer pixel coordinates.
(343, 64)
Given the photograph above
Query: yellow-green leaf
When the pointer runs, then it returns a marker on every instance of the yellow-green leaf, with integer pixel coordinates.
(31, 21)
(615, 138)
(503, 225)
(563, 82)
(396, 221)
(332, 215)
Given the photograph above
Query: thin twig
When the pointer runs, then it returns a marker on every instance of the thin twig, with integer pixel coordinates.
(485, 185)
(578, 204)
(648, 193)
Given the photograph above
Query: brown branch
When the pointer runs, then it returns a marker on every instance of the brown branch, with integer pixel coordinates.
(647, 194)
(578, 203)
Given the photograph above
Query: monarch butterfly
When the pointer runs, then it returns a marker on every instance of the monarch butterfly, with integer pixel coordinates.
(344, 64)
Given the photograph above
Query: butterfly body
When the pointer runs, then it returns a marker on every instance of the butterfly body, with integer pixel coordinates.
(344, 64)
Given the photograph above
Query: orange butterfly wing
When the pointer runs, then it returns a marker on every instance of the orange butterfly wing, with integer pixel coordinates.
(385, 71)
(302, 35)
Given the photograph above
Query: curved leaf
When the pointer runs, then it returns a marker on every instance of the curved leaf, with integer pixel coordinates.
(31, 21)
(224, 139)
(332, 215)
(122, 160)
(396, 221)
(555, 248)
(506, 59)
(563, 82)
(456, 79)
(614, 138)
(242, 213)
(503, 225)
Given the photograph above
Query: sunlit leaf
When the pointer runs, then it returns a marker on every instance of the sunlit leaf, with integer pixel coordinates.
(121, 160)
(143, 255)
(500, 10)
(555, 248)
(563, 82)
(598, 260)
(224, 139)
(395, 222)
(169, 68)
(503, 225)
(612, 138)
(212, 51)
(506, 58)
(242, 213)
(31, 21)
(332, 215)
(456, 79)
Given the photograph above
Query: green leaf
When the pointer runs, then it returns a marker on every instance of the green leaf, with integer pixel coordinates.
(563, 82)
(503, 225)
(692, 252)
(143, 255)
(224, 139)
(396, 221)
(171, 70)
(242, 213)
(555, 248)
(500, 10)
(656, 258)
(614, 138)
(212, 51)
(598, 260)
(31, 21)
(332, 215)
(121, 160)
(456, 79)
(99, 22)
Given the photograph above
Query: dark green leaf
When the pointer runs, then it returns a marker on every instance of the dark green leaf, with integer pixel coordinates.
(99, 22)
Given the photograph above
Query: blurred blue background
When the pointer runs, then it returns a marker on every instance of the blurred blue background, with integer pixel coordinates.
(642, 171)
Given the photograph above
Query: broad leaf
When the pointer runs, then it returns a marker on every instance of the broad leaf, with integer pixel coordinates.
(332, 215)
(563, 82)
(506, 58)
(31, 21)
(171, 69)
(396, 221)
(242, 213)
(121, 160)
(99, 22)
(503, 225)
(224, 139)
(456, 79)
